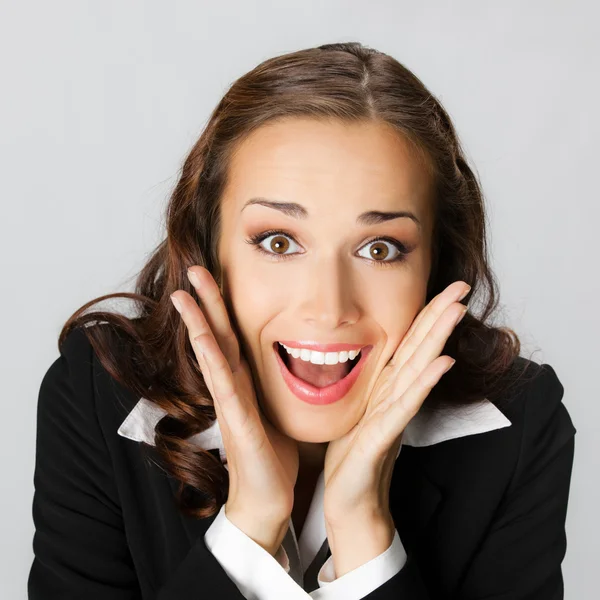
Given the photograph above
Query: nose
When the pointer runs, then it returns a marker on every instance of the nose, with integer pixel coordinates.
(328, 296)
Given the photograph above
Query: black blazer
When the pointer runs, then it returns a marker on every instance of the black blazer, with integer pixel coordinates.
(480, 516)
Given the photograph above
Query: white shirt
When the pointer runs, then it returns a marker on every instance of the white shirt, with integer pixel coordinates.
(261, 576)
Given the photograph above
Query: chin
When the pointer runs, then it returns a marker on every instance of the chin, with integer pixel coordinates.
(310, 428)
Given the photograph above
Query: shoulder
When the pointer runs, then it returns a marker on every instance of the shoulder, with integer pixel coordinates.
(75, 357)
(540, 426)
(539, 415)
(534, 403)
(79, 392)
(532, 399)
(67, 383)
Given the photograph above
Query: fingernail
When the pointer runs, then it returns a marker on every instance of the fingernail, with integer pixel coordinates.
(193, 278)
(176, 303)
(464, 294)
(449, 367)
(460, 318)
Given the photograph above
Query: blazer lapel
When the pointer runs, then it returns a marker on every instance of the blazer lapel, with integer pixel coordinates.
(414, 497)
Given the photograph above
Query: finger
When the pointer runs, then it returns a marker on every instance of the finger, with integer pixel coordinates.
(394, 415)
(400, 411)
(191, 314)
(216, 313)
(403, 369)
(199, 350)
(221, 419)
(241, 417)
(428, 350)
(427, 318)
(204, 369)
(196, 326)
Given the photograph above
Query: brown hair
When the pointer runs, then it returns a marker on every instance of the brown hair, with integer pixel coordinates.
(151, 354)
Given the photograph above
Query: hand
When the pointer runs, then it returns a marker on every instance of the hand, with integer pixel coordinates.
(262, 462)
(358, 466)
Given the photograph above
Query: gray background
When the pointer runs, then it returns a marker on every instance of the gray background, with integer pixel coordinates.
(101, 101)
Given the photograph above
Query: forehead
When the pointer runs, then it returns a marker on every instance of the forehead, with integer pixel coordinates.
(327, 164)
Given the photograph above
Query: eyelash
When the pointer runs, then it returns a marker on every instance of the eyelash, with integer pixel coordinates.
(258, 238)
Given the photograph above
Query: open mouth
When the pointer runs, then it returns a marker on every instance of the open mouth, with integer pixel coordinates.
(316, 383)
(319, 376)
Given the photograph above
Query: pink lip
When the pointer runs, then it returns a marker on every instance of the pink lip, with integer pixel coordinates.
(327, 395)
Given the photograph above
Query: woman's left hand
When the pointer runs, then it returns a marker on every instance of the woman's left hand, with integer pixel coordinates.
(358, 466)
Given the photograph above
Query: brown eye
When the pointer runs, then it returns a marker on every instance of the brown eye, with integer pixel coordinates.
(383, 251)
(275, 243)
(379, 251)
(279, 244)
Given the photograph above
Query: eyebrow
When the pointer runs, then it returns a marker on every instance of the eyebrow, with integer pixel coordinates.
(297, 211)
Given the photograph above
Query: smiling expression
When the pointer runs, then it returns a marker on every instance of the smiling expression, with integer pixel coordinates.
(325, 238)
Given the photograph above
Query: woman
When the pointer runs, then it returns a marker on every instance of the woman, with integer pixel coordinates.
(302, 408)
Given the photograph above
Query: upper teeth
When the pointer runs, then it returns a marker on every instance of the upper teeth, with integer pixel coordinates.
(321, 358)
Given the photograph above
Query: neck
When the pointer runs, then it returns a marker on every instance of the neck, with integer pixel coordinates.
(312, 456)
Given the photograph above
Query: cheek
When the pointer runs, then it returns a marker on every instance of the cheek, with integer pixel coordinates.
(258, 288)
(394, 307)
(254, 301)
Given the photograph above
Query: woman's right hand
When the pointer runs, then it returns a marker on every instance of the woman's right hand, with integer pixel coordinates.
(262, 462)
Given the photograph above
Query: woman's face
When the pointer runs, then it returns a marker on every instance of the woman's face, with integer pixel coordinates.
(323, 279)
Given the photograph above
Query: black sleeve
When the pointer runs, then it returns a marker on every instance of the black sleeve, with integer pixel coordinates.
(521, 555)
(79, 544)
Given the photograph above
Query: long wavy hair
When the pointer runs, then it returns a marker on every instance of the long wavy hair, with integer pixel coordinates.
(150, 353)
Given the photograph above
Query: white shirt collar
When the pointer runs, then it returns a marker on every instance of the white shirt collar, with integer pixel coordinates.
(424, 429)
